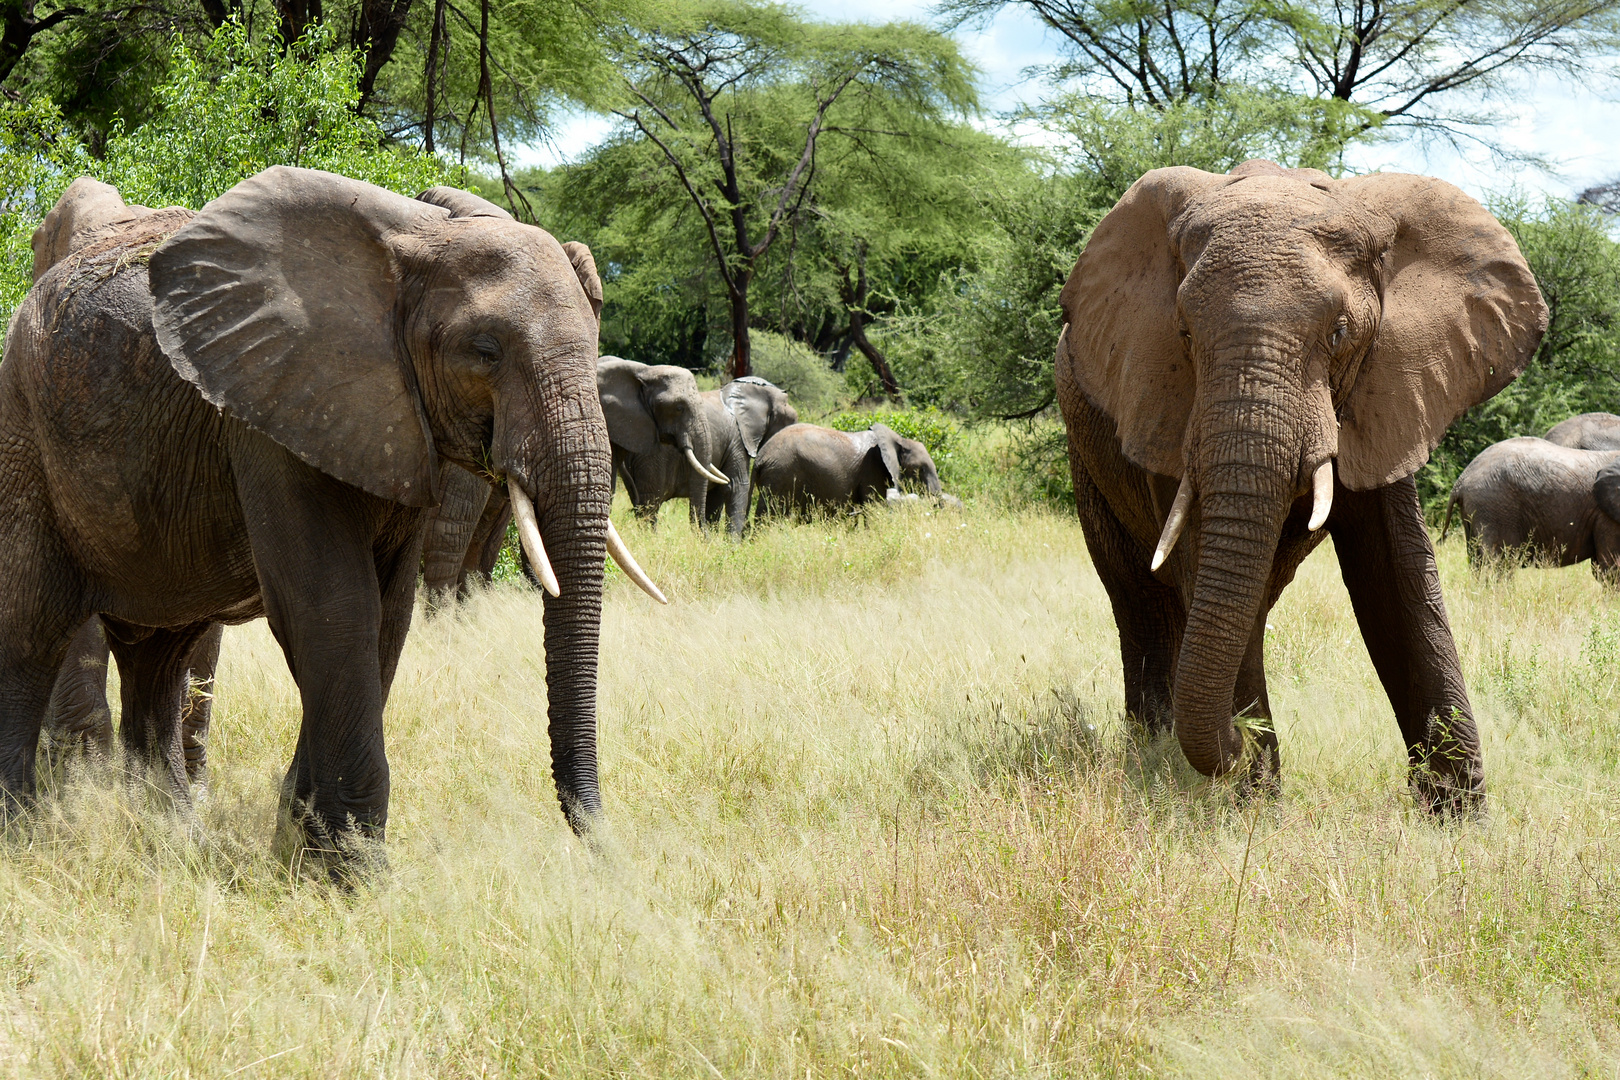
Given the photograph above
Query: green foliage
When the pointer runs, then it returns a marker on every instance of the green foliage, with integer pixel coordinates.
(237, 106)
(813, 387)
(1576, 369)
(226, 111)
(38, 158)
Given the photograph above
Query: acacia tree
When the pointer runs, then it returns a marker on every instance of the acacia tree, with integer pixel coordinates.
(1388, 59)
(717, 88)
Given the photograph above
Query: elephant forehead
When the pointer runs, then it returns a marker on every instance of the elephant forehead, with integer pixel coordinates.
(1281, 213)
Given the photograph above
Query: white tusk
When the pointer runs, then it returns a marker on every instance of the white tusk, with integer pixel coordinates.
(1321, 494)
(529, 534)
(719, 477)
(632, 569)
(705, 471)
(1174, 523)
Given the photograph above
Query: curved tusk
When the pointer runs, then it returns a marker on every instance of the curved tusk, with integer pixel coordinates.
(529, 534)
(1321, 494)
(632, 569)
(705, 471)
(1174, 523)
(719, 477)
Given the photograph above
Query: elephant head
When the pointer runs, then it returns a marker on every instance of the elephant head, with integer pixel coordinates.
(759, 408)
(87, 211)
(651, 405)
(376, 337)
(917, 465)
(1255, 333)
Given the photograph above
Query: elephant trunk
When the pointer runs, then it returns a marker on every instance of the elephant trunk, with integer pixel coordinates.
(569, 474)
(1246, 477)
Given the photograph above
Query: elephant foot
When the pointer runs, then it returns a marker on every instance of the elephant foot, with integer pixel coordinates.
(1447, 773)
(308, 846)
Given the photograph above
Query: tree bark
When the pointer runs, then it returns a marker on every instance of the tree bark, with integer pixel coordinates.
(377, 33)
(431, 75)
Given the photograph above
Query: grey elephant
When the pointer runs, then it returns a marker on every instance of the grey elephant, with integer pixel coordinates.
(806, 467)
(743, 416)
(659, 429)
(1587, 431)
(1536, 501)
(244, 413)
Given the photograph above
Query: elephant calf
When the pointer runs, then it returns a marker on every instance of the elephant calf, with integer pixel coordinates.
(1534, 500)
(806, 466)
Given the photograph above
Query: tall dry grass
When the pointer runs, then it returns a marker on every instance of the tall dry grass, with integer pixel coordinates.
(873, 813)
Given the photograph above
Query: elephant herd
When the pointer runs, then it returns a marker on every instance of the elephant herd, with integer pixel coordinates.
(713, 447)
(293, 403)
(1552, 501)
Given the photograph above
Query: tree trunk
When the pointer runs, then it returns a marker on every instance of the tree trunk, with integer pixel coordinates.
(742, 353)
(430, 76)
(376, 34)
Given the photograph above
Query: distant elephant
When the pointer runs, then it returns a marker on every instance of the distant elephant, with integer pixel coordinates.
(660, 433)
(743, 415)
(1254, 361)
(1587, 431)
(244, 414)
(1541, 502)
(805, 467)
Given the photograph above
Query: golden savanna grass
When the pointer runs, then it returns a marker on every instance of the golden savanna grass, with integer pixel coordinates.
(873, 813)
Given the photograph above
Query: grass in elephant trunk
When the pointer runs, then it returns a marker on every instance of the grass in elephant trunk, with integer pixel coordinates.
(873, 813)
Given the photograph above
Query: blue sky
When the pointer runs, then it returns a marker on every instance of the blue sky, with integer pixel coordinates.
(1576, 127)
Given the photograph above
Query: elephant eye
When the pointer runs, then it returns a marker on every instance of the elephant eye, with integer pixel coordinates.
(487, 347)
(1340, 329)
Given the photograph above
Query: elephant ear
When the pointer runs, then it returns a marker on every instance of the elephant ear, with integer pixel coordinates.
(1606, 489)
(278, 301)
(750, 406)
(887, 447)
(462, 204)
(629, 424)
(585, 268)
(1123, 336)
(1462, 316)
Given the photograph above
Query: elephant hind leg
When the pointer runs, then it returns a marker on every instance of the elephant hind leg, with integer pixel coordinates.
(198, 711)
(79, 723)
(153, 678)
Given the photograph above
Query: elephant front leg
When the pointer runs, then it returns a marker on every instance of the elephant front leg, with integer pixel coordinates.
(1148, 613)
(1394, 585)
(1252, 706)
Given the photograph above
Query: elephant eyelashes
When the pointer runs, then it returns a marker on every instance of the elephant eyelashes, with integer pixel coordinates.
(1340, 329)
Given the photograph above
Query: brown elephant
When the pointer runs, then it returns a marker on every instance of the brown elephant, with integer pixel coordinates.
(244, 413)
(1252, 362)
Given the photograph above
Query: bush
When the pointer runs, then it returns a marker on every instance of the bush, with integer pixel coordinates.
(228, 111)
(814, 388)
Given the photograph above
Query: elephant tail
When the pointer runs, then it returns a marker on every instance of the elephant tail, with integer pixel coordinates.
(1446, 522)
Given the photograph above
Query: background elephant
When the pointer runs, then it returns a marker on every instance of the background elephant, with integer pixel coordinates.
(1537, 501)
(806, 466)
(660, 433)
(249, 422)
(742, 415)
(1587, 431)
(1252, 362)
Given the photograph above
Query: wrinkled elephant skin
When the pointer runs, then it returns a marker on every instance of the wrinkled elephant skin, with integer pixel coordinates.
(1249, 363)
(200, 474)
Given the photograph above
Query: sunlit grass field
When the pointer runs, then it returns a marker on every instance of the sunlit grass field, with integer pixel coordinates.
(873, 813)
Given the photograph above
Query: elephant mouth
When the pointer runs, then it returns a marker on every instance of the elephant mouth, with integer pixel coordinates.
(535, 548)
(1321, 506)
